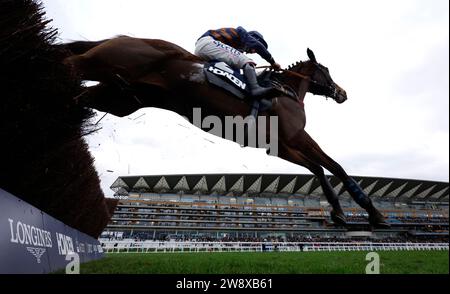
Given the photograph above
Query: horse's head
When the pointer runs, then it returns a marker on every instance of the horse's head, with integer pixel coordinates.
(321, 81)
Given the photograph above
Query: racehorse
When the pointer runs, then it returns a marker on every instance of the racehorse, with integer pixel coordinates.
(134, 73)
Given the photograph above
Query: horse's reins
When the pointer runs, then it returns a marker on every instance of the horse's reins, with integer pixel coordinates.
(298, 75)
(291, 73)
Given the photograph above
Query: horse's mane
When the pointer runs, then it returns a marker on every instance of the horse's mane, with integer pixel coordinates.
(295, 65)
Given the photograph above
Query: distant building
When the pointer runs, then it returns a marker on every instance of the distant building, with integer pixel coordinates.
(278, 206)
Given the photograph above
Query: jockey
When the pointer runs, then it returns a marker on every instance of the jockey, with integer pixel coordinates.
(229, 44)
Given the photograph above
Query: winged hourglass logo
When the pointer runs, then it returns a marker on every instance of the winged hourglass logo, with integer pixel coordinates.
(37, 252)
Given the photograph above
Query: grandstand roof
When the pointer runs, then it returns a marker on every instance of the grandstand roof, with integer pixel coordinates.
(404, 190)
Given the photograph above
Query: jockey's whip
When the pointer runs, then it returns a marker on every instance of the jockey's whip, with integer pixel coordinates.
(263, 66)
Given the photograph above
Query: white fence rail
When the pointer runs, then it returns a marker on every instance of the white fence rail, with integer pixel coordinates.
(177, 247)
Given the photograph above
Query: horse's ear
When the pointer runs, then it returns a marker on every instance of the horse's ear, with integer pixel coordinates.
(311, 55)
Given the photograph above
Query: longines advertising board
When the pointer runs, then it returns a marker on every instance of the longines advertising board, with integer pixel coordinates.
(32, 241)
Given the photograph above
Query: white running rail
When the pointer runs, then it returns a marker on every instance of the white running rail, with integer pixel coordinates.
(178, 247)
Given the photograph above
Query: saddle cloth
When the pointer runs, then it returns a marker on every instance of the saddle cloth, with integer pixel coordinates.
(222, 75)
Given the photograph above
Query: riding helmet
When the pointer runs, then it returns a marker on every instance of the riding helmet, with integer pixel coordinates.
(259, 37)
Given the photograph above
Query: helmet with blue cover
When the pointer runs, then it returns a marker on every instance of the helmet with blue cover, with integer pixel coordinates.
(257, 35)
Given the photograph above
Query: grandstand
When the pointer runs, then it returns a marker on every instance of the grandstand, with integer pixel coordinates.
(280, 208)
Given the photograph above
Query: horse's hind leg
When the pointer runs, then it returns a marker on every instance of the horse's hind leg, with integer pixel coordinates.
(92, 69)
(79, 47)
(337, 215)
(295, 156)
(111, 99)
(315, 153)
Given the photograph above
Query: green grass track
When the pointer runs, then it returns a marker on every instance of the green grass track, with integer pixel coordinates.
(391, 262)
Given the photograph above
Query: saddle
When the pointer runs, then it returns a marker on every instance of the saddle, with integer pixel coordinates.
(221, 75)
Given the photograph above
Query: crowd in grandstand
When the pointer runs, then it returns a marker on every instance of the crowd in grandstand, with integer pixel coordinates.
(144, 236)
(404, 219)
(218, 222)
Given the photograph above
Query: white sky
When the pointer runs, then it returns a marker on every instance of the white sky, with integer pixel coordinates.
(392, 58)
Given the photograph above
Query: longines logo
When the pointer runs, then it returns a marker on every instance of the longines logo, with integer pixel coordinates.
(34, 242)
(37, 252)
(25, 234)
(29, 235)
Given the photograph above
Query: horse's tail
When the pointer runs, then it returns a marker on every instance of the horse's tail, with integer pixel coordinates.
(79, 47)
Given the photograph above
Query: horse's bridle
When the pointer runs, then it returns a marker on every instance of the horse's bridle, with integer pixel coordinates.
(332, 89)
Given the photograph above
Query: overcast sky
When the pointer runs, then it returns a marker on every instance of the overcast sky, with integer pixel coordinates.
(392, 58)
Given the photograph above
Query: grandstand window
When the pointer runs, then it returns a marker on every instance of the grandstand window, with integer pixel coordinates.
(261, 200)
(151, 196)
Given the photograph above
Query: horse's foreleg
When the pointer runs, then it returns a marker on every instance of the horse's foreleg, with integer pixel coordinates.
(295, 156)
(313, 151)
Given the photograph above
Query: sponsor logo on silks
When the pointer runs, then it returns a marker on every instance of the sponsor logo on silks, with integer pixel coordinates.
(228, 75)
(227, 48)
(37, 252)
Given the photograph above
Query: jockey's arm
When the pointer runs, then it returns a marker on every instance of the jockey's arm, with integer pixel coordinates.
(256, 47)
(269, 58)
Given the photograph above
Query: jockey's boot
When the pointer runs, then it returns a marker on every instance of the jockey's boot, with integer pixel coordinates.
(255, 89)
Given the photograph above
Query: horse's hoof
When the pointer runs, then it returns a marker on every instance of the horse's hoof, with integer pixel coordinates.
(338, 218)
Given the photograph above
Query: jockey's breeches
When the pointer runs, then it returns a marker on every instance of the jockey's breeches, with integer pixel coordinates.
(210, 49)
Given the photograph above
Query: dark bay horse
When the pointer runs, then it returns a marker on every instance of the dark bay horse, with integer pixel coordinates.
(136, 73)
